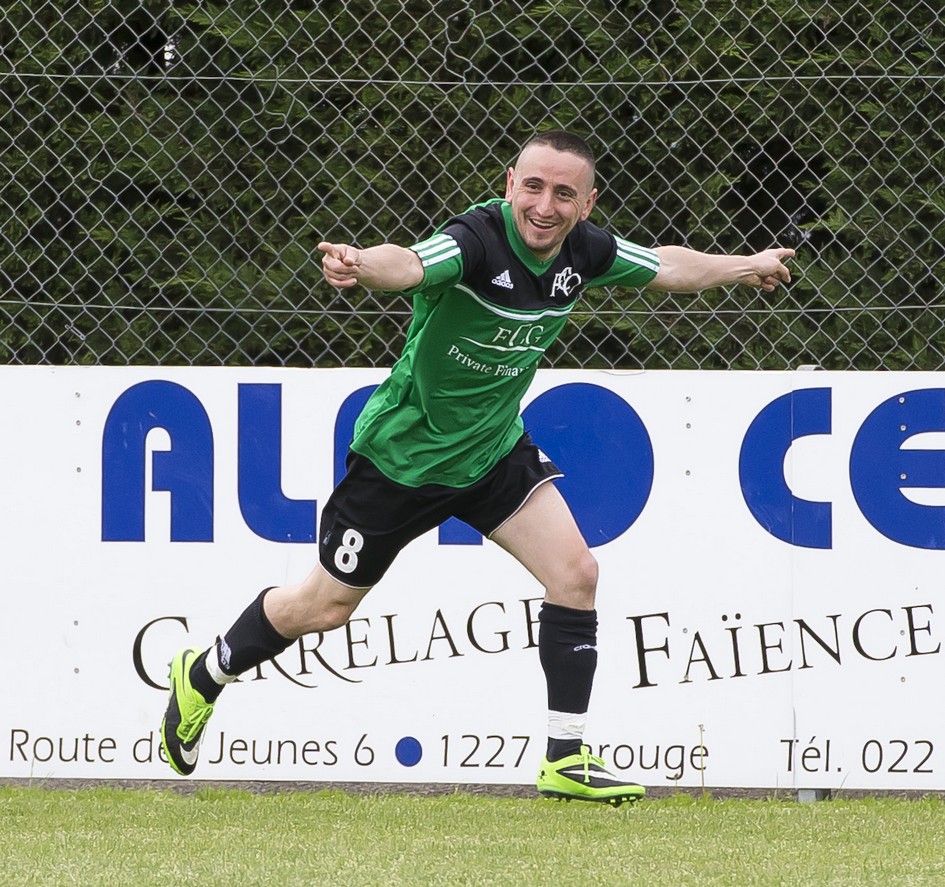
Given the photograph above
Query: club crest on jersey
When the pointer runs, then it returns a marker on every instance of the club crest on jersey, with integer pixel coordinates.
(565, 281)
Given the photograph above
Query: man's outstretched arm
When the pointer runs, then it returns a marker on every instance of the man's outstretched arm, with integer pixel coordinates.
(383, 267)
(684, 270)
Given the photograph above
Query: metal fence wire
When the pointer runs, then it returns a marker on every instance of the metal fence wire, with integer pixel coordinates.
(168, 168)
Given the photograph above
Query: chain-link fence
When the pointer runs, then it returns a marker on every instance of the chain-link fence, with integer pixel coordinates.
(168, 168)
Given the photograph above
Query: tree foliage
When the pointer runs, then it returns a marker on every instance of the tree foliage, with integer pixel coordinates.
(170, 167)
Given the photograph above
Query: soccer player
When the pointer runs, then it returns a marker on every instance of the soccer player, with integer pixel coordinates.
(443, 436)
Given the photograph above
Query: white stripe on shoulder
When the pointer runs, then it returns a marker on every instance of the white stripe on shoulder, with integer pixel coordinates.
(438, 237)
(436, 249)
(440, 257)
(632, 252)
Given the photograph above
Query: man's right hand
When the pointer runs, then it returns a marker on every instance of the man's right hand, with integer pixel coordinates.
(340, 264)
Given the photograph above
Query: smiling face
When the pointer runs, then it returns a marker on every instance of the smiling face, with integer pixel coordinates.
(550, 191)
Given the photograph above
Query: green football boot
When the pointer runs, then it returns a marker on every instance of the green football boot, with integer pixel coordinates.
(186, 716)
(584, 777)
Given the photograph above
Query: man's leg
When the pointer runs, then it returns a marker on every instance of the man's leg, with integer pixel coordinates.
(271, 623)
(544, 537)
(265, 628)
(365, 523)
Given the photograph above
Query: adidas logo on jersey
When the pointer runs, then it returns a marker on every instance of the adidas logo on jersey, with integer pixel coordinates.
(504, 280)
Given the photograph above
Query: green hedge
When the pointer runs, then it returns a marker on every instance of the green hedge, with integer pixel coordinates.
(169, 212)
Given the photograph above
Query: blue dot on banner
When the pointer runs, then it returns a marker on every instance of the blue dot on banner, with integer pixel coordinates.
(409, 751)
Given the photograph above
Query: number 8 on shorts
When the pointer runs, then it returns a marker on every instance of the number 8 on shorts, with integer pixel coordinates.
(346, 554)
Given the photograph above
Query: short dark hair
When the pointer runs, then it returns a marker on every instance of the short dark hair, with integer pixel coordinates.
(561, 140)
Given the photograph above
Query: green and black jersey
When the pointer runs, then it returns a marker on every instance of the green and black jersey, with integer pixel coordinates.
(485, 312)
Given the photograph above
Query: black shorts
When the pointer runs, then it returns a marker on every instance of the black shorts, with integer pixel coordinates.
(369, 518)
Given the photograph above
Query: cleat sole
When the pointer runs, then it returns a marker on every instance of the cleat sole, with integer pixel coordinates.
(614, 801)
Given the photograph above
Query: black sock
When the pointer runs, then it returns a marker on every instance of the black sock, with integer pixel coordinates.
(567, 649)
(250, 641)
(561, 748)
(201, 680)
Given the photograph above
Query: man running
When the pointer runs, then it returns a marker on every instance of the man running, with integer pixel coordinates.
(443, 436)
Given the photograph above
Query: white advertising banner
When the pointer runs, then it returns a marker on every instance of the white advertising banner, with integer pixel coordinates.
(772, 553)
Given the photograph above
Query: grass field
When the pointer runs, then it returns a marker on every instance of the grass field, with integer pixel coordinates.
(100, 837)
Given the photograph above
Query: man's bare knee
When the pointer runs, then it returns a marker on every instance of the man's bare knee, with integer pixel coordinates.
(585, 581)
(319, 603)
(328, 617)
(576, 584)
(591, 572)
